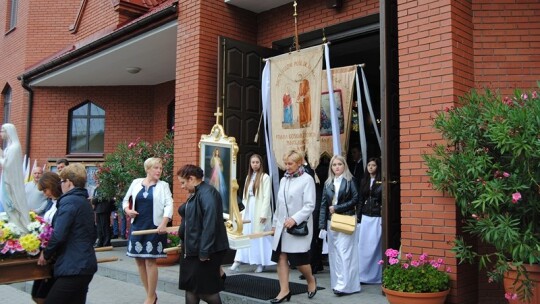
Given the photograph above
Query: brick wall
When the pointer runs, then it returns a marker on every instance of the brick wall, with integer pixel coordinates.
(506, 44)
(278, 23)
(129, 115)
(199, 25)
(12, 50)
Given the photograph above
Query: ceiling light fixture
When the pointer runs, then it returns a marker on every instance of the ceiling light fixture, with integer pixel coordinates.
(133, 70)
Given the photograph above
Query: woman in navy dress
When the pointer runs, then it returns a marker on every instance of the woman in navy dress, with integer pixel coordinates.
(148, 203)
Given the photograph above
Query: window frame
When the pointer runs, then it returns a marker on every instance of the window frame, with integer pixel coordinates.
(12, 13)
(7, 98)
(88, 117)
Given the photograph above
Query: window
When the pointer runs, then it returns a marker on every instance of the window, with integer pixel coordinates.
(12, 17)
(6, 96)
(87, 129)
(170, 117)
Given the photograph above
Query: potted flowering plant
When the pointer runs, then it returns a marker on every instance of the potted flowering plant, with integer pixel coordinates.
(490, 165)
(173, 240)
(420, 280)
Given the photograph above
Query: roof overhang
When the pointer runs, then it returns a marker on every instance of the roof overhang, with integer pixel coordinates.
(153, 52)
(257, 6)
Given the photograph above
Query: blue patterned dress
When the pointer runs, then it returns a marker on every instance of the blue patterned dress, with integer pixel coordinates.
(151, 245)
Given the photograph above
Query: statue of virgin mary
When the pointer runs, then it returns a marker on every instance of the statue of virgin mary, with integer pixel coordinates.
(12, 194)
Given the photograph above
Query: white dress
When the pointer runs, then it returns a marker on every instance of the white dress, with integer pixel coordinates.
(369, 248)
(260, 251)
(342, 255)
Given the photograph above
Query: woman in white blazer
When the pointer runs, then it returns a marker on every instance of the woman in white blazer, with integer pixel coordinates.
(149, 204)
(295, 204)
(256, 198)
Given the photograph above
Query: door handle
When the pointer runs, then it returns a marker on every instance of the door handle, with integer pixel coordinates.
(394, 182)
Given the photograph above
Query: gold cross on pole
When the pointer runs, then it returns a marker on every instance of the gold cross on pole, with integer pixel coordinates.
(218, 114)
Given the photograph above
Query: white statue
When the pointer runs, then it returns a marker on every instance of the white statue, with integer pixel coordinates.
(13, 196)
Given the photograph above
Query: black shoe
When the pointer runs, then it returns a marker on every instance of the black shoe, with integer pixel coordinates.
(223, 277)
(276, 300)
(311, 294)
(339, 293)
(114, 237)
(302, 277)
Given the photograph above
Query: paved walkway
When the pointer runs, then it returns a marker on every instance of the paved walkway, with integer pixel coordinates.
(118, 283)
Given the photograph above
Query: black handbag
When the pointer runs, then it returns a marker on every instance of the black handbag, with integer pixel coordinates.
(299, 229)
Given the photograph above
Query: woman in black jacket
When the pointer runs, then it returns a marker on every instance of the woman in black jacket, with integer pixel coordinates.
(204, 238)
(340, 196)
(72, 242)
(370, 236)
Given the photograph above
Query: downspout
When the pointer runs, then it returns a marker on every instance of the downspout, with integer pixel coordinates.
(25, 85)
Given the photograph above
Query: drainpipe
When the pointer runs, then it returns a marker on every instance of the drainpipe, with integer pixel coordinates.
(25, 85)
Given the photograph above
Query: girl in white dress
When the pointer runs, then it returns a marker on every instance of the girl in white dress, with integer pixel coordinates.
(256, 198)
(340, 196)
(370, 232)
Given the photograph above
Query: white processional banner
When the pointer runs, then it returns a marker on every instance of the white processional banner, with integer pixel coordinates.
(296, 103)
(343, 84)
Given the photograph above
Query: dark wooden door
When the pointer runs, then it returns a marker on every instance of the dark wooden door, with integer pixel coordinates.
(390, 126)
(239, 89)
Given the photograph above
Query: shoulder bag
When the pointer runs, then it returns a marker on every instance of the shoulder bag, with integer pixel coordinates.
(298, 229)
(343, 223)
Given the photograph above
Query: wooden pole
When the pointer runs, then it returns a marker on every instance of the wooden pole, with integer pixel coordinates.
(152, 231)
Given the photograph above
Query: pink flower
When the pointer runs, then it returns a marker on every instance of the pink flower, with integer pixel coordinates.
(393, 261)
(391, 253)
(448, 269)
(131, 145)
(405, 265)
(423, 257)
(380, 262)
(440, 261)
(534, 94)
(516, 197)
(435, 265)
(508, 101)
(524, 96)
(510, 296)
(415, 263)
(506, 174)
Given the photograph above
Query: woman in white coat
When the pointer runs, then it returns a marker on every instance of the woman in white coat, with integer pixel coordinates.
(256, 198)
(151, 208)
(295, 204)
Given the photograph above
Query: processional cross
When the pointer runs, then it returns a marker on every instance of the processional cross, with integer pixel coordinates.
(218, 114)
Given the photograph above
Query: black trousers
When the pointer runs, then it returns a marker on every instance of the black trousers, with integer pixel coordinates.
(103, 221)
(69, 290)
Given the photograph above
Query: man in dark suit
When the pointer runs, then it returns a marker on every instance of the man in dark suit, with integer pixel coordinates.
(356, 165)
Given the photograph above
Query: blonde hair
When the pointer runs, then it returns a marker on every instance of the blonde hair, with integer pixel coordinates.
(151, 162)
(294, 155)
(347, 175)
(76, 173)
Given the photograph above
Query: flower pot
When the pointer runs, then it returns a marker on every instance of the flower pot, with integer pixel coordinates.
(398, 297)
(534, 275)
(171, 259)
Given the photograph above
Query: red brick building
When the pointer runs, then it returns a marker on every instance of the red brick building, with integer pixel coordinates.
(79, 76)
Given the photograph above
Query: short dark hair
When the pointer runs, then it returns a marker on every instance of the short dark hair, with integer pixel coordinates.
(62, 161)
(190, 170)
(50, 181)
